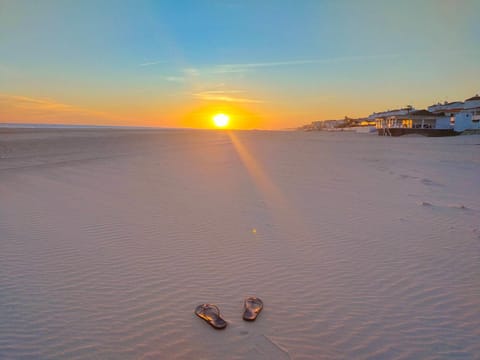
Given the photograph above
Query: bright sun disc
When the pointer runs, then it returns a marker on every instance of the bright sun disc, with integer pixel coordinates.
(221, 120)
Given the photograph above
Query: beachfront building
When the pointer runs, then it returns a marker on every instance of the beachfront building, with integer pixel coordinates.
(333, 124)
(463, 115)
(390, 113)
(441, 119)
(469, 117)
(385, 120)
(410, 121)
(446, 112)
(323, 125)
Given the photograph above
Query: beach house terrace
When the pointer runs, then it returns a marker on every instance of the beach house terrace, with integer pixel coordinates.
(410, 121)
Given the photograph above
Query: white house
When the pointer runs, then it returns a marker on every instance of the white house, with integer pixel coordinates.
(446, 113)
(469, 117)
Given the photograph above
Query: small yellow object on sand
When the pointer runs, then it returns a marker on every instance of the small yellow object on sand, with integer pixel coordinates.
(254, 231)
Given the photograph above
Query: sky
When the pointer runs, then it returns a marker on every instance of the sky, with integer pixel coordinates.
(269, 64)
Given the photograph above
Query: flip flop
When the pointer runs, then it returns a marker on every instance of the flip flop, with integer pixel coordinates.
(253, 306)
(211, 314)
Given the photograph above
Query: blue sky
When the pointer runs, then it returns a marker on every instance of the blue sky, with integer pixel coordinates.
(271, 64)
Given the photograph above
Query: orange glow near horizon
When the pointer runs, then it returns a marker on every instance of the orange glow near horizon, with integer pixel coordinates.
(201, 116)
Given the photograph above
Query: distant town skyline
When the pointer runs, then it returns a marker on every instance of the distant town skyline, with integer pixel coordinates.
(268, 64)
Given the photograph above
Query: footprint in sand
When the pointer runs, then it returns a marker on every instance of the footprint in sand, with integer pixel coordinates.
(426, 203)
(458, 206)
(405, 176)
(429, 182)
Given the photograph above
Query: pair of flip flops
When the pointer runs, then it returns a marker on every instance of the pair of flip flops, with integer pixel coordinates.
(211, 313)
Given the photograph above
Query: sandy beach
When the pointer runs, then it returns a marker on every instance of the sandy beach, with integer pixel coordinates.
(360, 246)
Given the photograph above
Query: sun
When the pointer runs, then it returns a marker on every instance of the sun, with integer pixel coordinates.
(221, 120)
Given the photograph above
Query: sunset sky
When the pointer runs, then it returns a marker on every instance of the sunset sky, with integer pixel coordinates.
(269, 64)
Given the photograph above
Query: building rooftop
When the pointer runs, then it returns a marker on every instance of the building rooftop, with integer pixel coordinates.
(476, 97)
(422, 113)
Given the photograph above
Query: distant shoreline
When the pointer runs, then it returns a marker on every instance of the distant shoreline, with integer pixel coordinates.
(67, 126)
(27, 126)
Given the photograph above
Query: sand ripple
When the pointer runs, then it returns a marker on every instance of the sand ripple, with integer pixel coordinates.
(107, 246)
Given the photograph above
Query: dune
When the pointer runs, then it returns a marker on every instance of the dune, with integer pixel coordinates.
(359, 246)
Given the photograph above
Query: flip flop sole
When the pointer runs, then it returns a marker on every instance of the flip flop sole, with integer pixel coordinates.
(253, 306)
(211, 314)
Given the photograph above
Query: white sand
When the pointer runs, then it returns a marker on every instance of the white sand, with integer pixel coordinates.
(365, 247)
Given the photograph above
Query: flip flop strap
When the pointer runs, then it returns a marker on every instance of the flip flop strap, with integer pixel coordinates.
(254, 300)
(206, 306)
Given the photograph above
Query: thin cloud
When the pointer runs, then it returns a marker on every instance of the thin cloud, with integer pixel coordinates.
(242, 67)
(177, 79)
(27, 103)
(224, 95)
(191, 72)
(151, 63)
(43, 108)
